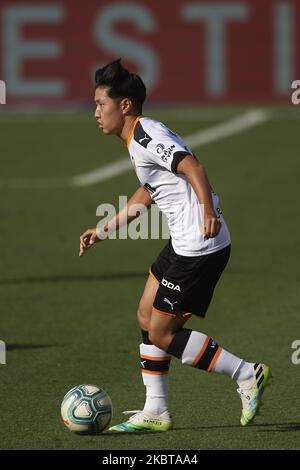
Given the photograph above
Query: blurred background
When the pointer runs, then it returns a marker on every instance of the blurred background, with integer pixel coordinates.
(220, 74)
(188, 52)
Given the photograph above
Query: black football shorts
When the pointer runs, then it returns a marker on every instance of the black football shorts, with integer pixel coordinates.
(186, 284)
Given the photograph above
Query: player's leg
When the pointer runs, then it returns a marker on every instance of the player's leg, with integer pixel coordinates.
(198, 350)
(155, 362)
(145, 305)
(189, 288)
(155, 378)
(161, 264)
(192, 347)
(144, 310)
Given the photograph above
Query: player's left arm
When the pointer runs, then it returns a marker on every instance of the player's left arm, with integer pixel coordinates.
(197, 176)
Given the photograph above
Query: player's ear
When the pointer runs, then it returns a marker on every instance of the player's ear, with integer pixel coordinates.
(126, 105)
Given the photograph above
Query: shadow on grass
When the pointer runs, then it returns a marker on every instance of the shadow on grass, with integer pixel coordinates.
(81, 277)
(275, 427)
(15, 346)
(288, 427)
(281, 427)
(73, 278)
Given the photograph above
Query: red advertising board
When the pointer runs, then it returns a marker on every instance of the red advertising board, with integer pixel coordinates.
(186, 51)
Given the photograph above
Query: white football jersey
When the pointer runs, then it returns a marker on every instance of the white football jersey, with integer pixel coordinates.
(155, 152)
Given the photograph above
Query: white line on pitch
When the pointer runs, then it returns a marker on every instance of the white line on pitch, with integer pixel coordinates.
(103, 173)
(226, 129)
(203, 137)
(107, 172)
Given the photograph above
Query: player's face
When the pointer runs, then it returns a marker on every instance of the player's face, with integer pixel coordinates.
(108, 112)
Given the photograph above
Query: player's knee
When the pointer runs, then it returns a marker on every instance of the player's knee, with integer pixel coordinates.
(160, 340)
(155, 339)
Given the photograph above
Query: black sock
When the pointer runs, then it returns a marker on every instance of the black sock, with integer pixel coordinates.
(179, 342)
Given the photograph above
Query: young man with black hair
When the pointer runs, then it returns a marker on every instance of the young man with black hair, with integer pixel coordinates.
(181, 281)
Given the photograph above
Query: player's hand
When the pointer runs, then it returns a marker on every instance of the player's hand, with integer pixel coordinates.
(87, 239)
(212, 225)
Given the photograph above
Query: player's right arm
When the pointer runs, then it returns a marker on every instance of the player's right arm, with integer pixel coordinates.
(137, 204)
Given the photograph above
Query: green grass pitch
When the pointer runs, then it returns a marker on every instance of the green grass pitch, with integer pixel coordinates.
(67, 320)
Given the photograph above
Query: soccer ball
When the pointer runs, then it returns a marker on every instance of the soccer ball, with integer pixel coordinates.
(86, 409)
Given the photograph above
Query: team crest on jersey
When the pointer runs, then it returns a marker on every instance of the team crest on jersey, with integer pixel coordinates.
(164, 152)
(160, 148)
(141, 136)
(167, 153)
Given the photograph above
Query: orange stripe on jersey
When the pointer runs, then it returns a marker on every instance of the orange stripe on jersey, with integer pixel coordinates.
(153, 373)
(132, 130)
(152, 275)
(201, 352)
(152, 358)
(211, 365)
(164, 313)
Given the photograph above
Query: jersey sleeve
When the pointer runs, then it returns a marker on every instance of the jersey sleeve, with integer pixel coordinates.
(164, 147)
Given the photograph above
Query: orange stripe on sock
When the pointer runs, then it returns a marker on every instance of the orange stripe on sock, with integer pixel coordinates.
(153, 373)
(211, 365)
(152, 358)
(164, 313)
(201, 352)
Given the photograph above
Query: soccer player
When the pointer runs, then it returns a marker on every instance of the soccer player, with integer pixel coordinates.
(182, 280)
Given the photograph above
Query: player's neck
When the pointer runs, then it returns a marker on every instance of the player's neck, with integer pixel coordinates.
(128, 127)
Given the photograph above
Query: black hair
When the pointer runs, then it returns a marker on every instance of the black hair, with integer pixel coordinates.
(122, 84)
